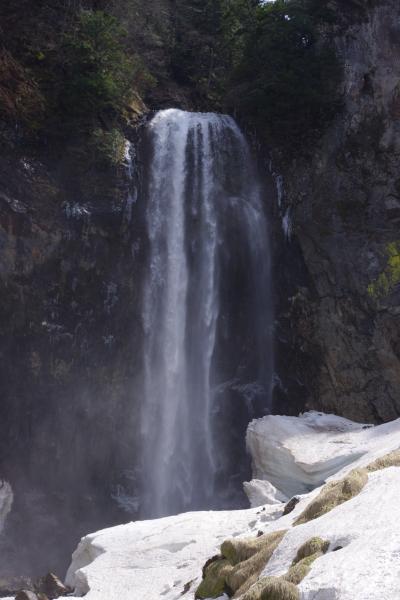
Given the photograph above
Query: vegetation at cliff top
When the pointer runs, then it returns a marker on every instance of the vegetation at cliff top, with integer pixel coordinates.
(71, 69)
(265, 62)
(98, 75)
(70, 79)
(286, 79)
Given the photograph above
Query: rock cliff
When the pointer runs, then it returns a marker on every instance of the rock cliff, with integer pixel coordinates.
(343, 198)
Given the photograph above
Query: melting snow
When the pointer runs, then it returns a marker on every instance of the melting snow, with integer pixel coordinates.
(162, 559)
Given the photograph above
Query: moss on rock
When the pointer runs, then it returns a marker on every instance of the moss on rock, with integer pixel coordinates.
(298, 571)
(272, 588)
(239, 566)
(333, 494)
(310, 547)
(238, 570)
(306, 555)
(251, 556)
(213, 584)
(237, 550)
(390, 277)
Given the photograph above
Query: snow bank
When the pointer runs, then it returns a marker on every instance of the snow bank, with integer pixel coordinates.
(296, 454)
(162, 559)
(156, 559)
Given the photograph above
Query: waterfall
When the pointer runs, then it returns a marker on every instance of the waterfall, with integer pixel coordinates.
(206, 311)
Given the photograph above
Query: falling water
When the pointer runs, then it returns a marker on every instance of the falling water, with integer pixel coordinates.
(206, 310)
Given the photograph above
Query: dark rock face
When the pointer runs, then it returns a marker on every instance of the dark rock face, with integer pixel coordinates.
(70, 333)
(345, 203)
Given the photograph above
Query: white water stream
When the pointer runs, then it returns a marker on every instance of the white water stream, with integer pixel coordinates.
(204, 211)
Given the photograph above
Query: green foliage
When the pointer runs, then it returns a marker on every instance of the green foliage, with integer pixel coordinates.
(390, 277)
(108, 147)
(285, 81)
(197, 59)
(98, 72)
(264, 62)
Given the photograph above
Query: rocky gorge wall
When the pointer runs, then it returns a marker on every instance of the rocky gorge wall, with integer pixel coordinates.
(343, 197)
(69, 360)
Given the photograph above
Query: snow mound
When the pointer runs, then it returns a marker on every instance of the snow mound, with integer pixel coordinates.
(156, 559)
(296, 454)
(162, 559)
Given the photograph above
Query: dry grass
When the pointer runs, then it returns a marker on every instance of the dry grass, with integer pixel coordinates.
(333, 494)
(253, 554)
(301, 569)
(238, 550)
(214, 582)
(310, 547)
(272, 588)
(306, 555)
(389, 460)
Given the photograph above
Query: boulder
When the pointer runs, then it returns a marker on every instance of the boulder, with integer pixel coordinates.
(52, 586)
(26, 595)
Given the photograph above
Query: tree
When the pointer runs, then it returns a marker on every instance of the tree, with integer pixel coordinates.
(98, 74)
(285, 82)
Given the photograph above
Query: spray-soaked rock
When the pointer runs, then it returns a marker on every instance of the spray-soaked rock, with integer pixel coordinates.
(9, 586)
(52, 587)
(291, 505)
(27, 595)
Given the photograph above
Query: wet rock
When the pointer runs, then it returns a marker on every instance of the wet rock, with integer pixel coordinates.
(26, 595)
(291, 505)
(52, 587)
(9, 586)
(343, 196)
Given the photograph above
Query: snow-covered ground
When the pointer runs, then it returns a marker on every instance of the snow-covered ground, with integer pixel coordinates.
(155, 560)
(162, 559)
